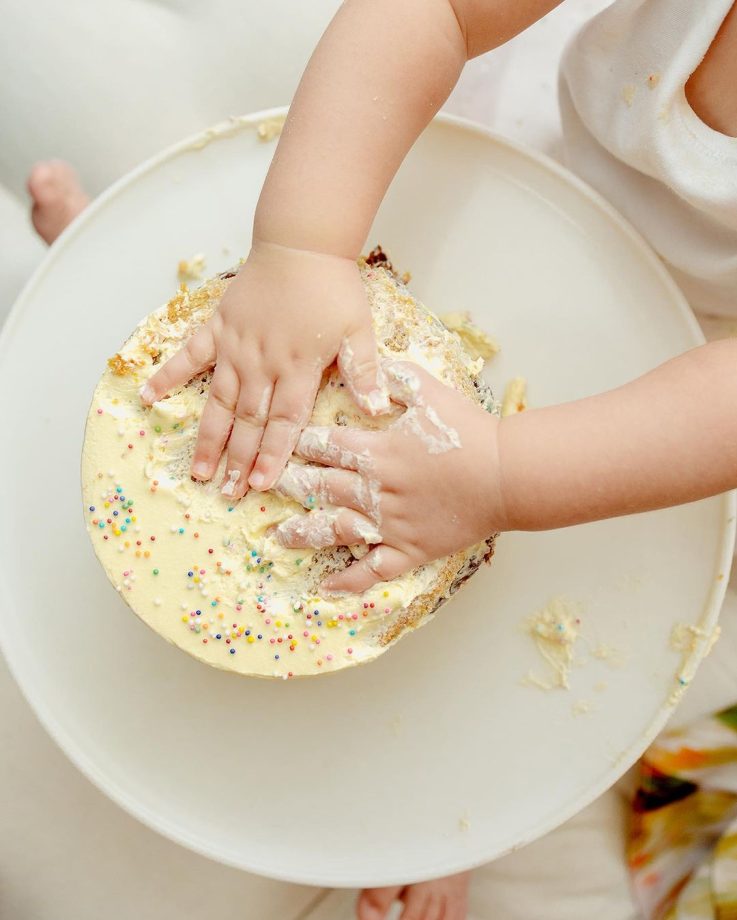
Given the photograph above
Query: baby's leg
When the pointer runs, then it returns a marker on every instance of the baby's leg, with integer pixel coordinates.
(57, 197)
(440, 899)
(712, 88)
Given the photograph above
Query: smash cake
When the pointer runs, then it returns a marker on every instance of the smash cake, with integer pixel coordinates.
(208, 574)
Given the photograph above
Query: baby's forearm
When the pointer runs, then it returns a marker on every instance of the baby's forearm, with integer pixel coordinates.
(667, 438)
(379, 74)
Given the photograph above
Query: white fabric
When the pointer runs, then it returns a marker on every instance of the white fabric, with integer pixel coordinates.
(630, 132)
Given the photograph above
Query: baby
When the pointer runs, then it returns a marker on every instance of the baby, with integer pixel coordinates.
(650, 110)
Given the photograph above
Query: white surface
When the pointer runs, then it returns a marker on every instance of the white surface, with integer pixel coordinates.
(313, 780)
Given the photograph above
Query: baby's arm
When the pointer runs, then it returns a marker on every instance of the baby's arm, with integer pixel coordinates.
(666, 438)
(382, 70)
(377, 77)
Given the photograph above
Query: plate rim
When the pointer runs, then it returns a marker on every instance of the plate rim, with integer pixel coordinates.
(14, 654)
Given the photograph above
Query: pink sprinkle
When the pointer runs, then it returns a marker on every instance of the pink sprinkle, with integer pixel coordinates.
(340, 616)
(238, 607)
(329, 657)
(350, 651)
(305, 633)
(99, 411)
(202, 571)
(267, 620)
(272, 640)
(142, 432)
(354, 616)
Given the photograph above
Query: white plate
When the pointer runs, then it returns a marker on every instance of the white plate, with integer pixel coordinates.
(436, 757)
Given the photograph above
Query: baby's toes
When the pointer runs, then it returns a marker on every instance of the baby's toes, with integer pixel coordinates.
(421, 904)
(57, 197)
(374, 903)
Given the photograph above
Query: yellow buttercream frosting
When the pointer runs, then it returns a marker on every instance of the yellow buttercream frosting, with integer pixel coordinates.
(208, 574)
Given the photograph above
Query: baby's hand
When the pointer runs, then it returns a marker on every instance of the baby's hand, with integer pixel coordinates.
(286, 316)
(421, 489)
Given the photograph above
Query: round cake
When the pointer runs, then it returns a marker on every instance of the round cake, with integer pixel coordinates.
(208, 574)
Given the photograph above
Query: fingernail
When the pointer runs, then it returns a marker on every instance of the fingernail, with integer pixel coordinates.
(229, 487)
(327, 591)
(256, 481)
(201, 470)
(378, 401)
(146, 393)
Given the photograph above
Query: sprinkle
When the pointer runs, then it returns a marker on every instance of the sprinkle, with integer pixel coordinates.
(232, 651)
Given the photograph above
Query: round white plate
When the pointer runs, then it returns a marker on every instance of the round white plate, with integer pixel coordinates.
(438, 756)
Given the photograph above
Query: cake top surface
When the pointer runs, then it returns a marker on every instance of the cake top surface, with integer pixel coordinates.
(209, 574)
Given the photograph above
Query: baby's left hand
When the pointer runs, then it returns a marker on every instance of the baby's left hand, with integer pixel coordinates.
(425, 487)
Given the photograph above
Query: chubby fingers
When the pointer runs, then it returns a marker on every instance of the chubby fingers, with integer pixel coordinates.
(382, 563)
(348, 448)
(332, 527)
(313, 485)
(216, 421)
(358, 363)
(251, 415)
(291, 407)
(196, 356)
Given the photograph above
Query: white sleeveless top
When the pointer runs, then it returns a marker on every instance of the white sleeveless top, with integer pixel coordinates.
(630, 132)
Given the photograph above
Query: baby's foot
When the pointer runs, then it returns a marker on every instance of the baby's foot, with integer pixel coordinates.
(440, 899)
(57, 197)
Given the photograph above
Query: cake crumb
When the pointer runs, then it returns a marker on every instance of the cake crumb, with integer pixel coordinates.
(653, 80)
(476, 342)
(555, 630)
(464, 822)
(629, 91)
(582, 707)
(270, 128)
(191, 269)
(515, 397)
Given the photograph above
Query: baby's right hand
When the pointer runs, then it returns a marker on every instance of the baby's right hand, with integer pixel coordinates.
(287, 315)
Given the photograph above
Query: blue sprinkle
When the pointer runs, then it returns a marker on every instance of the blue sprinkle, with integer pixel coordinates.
(276, 657)
(127, 520)
(248, 632)
(123, 527)
(115, 513)
(213, 603)
(198, 612)
(254, 553)
(319, 622)
(101, 524)
(232, 651)
(218, 636)
(92, 507)
(181, 530)
(259, 636)
(230, 509)
(351, 632)
(119, 489)
(190, 574)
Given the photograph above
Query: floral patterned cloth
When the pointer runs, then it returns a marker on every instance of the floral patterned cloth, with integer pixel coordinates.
(683, 843)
